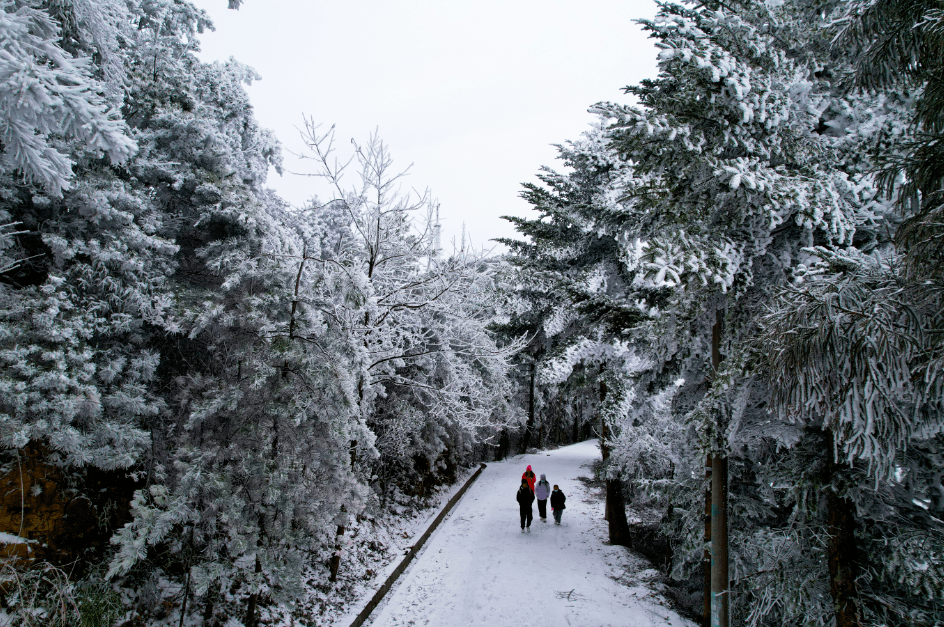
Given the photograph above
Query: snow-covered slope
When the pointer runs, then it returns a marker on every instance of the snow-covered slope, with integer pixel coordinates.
(479, 569)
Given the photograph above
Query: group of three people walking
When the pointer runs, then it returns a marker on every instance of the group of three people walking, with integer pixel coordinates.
(541, 490)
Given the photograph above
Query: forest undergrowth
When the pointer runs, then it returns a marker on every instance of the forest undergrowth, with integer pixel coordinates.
(649, 542)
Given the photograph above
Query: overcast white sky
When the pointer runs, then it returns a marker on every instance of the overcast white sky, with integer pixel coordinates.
(471, 92)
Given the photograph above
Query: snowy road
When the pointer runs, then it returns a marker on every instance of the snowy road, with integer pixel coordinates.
(479, 569)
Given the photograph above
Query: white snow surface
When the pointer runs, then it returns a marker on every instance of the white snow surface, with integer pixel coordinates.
(478, 568)
(9, 538)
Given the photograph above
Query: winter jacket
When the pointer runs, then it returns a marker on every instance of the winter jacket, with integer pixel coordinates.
(525, 497)
(528, 476)
(557, 500)
(543, 489)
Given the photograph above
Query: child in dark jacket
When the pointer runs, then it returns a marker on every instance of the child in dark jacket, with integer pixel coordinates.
(525, 497)
(557, 504)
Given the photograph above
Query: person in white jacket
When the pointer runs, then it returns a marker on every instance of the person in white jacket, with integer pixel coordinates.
(541, 491)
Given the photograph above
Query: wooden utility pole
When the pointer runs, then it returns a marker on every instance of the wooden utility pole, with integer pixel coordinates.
(719, 510)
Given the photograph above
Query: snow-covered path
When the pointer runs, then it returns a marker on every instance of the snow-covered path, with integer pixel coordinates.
(479, 569)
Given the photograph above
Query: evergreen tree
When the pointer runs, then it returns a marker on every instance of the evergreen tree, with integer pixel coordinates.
(570, 295)
(741, 155)
(855, 345)
(47, 93)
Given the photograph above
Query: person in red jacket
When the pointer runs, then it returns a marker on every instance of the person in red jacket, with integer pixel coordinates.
(528, 476)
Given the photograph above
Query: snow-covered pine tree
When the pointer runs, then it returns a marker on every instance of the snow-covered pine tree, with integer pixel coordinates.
(49, 97)
(259, 464)
(855, 343)
(556, 413)
(250, 462)
(743, 153)
(125, 304)
(533, 306)
(740, 155)
(86, 276)
(570, 294)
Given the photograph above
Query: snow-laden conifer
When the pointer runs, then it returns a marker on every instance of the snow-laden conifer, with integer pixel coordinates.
(707, 197)
(46, 93)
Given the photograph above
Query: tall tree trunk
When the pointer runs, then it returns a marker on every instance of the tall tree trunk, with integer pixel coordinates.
(503, 445)
(843, 550)
(251, 614)
(208, 619)
(335, 564)
(615, 510)
(253, 599)
(619, 526)
(718, 506)
(183, 609)
(578, 410)
(526, 440)
(706, 609)
(604, 449)
(719, 541)
(336, 556)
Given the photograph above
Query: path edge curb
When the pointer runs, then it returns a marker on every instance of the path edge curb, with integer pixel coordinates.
(392, 579)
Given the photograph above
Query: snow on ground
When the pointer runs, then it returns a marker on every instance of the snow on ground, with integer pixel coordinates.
(479, 569)
(373, 547)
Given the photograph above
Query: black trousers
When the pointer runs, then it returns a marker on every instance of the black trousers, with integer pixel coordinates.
(542, 508)
(526, 517)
